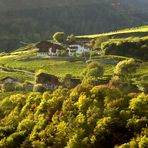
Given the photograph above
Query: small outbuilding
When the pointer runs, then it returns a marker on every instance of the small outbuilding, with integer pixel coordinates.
(47, 80)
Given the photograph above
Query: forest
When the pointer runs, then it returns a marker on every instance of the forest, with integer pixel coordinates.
(37, 20)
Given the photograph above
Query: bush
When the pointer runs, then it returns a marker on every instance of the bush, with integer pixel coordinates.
(19, 87)
(63, 53)
(71, 38)
(39, 88)
(116, 81)
(94, 53)
(8, 87)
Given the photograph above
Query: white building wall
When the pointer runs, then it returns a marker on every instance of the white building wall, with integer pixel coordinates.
(80, 49)
(52, 53)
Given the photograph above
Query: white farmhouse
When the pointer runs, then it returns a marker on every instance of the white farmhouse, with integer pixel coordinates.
(79, 49)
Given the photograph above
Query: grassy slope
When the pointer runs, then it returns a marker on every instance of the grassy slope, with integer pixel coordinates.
(25, 59)
(139, 31)
(142, 71)
(130, 31)
(21, 62)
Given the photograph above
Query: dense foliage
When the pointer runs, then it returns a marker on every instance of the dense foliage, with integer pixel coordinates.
(57, 102)
(85, 116)
(133, 47)
(92, 73)
(59, 37)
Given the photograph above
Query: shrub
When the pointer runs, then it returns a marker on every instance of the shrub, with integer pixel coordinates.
(139, 105)
(116, 81)
(71, 38)
(39, 88)
(19, 87)
(8, 87)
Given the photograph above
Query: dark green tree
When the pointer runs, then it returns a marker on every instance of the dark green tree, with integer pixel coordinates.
(59, 37)
(92, 73)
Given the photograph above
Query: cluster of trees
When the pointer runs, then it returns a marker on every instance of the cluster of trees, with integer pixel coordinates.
(133, 47)
(89, 115)
(9, 87)
(86, 116)
(122, 78)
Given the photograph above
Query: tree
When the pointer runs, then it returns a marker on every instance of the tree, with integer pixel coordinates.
(38, 144)
(8, 87)
(99, 41)
(71, 38)
(123, 74)
(26, 125)
(125, 69)
(59, 37)
(92, 73)
(67, 81)
(140, 105)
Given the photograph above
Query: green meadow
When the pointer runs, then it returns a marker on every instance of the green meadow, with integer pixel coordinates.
(129, 31)
(24, 62)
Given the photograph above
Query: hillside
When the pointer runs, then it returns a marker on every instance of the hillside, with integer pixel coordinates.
(136, 31)
(84, 116)
(35, 20)
(93, 99)
(25, 58)
(23, 63)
